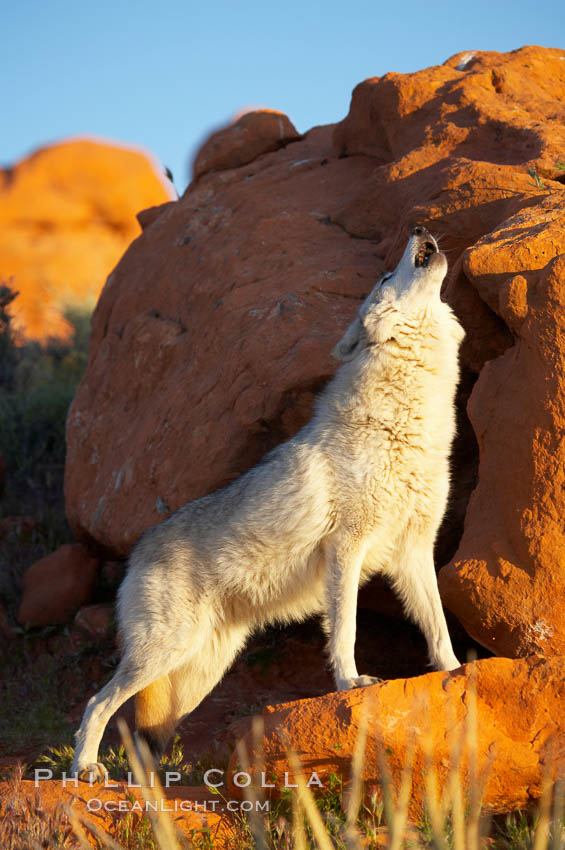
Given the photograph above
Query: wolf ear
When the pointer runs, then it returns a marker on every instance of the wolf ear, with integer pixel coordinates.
(351, 342)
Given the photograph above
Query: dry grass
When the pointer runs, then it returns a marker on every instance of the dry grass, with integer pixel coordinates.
(25, 826)
(341, 819)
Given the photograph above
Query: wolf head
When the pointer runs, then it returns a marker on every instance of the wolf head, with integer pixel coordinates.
(420, 272)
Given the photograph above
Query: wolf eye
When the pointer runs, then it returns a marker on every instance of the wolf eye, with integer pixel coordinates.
(386, 277)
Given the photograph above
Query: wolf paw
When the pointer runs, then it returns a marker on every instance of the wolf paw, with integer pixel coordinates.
(365, 681)
(359, 682)
(94, 772)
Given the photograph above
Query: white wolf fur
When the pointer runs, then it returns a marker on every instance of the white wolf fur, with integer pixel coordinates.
(359, 490)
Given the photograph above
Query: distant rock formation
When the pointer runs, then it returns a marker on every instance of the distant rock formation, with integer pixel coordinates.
(67, 214)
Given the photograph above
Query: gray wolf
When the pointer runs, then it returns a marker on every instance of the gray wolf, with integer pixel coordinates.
(361, 489)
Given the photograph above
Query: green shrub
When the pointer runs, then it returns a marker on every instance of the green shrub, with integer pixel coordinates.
(37, 385)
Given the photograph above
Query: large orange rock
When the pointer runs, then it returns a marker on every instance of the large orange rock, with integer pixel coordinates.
(518, 733)
(213, 334)
(251, 135)
(67, 214)
(57, 585)
(495, 108)
(215, 353)
(506, 582)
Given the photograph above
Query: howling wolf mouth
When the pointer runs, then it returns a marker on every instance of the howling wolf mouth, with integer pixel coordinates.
(424, 253)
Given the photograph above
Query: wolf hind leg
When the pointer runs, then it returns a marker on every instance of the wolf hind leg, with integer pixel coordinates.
(160, 706)
(414, 578)
(100, 708)
(136, 671)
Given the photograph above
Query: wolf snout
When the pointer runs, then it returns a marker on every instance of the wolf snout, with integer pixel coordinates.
(426, 245)
(422, 231)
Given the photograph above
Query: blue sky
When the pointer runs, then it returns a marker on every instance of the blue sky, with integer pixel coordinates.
(163, 74)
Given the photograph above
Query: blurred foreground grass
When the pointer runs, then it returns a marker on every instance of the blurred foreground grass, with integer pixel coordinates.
(340, 818)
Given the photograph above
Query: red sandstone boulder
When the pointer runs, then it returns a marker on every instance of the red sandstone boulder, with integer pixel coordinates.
(495, 109)
(518, 733)
(215, 355)
(251, 135)
(506, 582)
(95, 620)
(213, 334)
(56, 586)
(67, 214)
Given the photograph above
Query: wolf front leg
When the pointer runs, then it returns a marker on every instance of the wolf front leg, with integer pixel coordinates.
(416, 583)
(344, 559)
